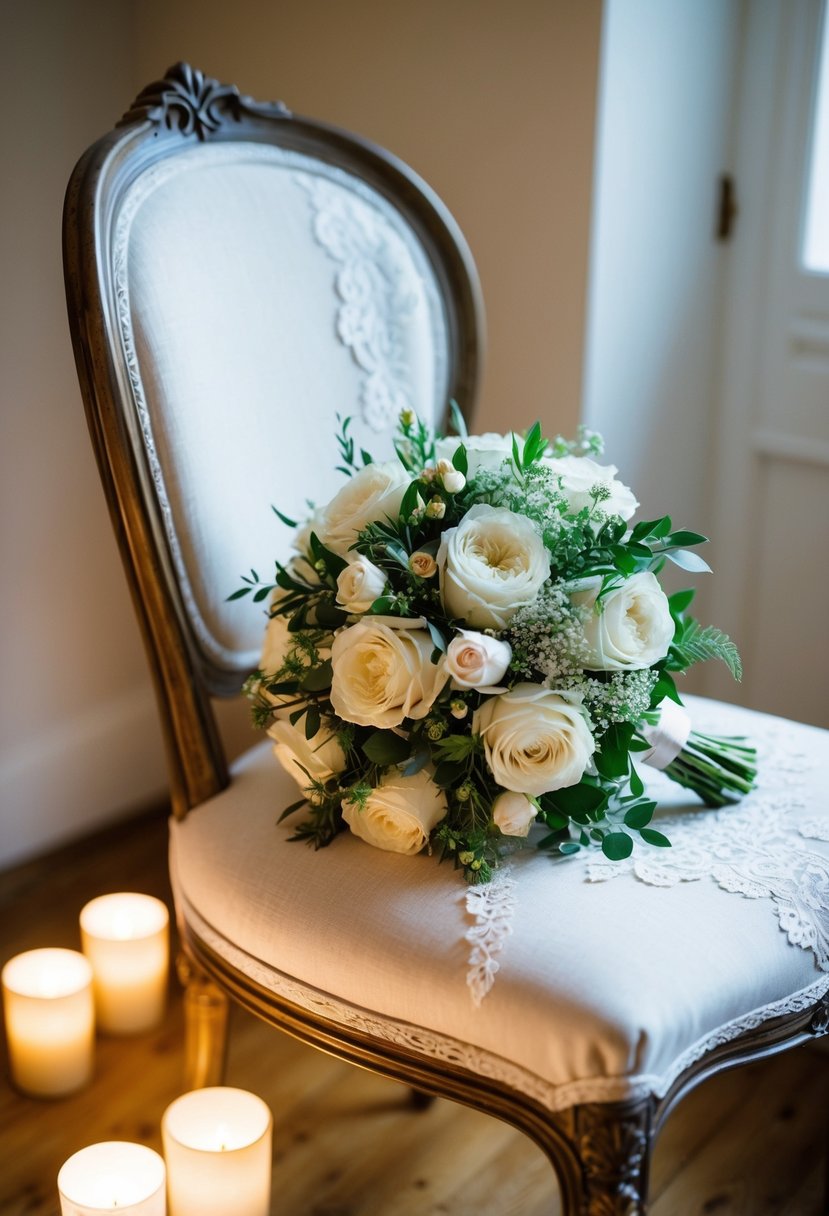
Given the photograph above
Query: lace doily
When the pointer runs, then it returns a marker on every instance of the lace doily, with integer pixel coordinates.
(491, 907)
(754, 849)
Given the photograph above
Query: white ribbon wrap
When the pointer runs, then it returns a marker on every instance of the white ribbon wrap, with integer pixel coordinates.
(668, 737)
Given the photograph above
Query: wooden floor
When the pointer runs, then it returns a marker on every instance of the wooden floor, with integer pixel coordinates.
(347, 1143)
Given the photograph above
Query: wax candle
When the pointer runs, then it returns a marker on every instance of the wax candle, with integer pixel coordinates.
(113, 1177)
(50, 1021)
(126, 939)
(217, 1144)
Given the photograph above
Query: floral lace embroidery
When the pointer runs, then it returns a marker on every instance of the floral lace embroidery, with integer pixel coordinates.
(754, 849)
(372, 284)
(491, 906)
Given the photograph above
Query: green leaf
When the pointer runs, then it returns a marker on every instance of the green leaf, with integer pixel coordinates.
(237, 595)
(568, 847)
(291, 523)
(556, 821)
(289, 810)
(318, 678)
(684, 538)
(328, 615)
(384, 747)
(312, 722)
(651, 527)
(447, 773)
(687, 560)
(382, 606)
(262, 594)
(516, 455)
(680, 601)
(639, 816)
(458, 420)
(410, 500)
(653, 837)
(437, 637)
(636, 785)
(574, 799)
(461, 461)
(617, 846)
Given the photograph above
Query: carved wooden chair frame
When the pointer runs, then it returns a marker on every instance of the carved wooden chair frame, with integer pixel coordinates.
(600, 1151)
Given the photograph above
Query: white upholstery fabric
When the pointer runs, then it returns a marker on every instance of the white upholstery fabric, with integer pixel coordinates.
(261, 293)
(603, 987)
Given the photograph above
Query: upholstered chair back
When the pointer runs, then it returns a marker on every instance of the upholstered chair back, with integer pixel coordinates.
(246, 276)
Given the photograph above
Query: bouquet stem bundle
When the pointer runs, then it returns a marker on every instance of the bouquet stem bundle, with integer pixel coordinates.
(718, 769)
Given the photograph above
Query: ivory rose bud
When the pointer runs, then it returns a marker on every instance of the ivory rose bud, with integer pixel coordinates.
(373, 493)
(322, 755)
(475, 660)
(360, 584)
(423, 565)
(382, 675)
(535, 740)
(630, 628)
(452, 480)
(579, 474)
(493, 563)
(399, 814)
(513, 813)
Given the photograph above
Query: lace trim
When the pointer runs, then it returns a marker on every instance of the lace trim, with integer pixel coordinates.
(491, 906)
(754, 849)
(375, 300)
(478, 1060)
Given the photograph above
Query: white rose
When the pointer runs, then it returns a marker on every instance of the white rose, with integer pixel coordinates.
(373, 493)
(486, 451)
(513, 813)
(475, 660)
(535, 740)
(383, 675)
(493, 563)
(399, 814)
(579, 475)
(322, 755)
(631, 628)
(360, 584)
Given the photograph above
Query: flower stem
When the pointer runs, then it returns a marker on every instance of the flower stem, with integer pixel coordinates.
(719, 769)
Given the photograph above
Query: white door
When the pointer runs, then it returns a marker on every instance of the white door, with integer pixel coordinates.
(771, 546)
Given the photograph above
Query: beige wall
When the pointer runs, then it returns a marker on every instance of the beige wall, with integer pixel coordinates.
(493, 103)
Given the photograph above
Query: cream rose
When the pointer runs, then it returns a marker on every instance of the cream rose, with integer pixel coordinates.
(383, 675)
(373, 493)
(579, 475)
(513, 813)
(630, 628)
(535, 740)
(360, 584)
(322, 755)
(475, 660)
(486, 451)
(493, 563)
(399, 814)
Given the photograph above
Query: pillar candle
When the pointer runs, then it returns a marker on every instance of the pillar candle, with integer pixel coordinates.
(126, 939)
(217, 1144)
(50, 1021)
(113, 1177)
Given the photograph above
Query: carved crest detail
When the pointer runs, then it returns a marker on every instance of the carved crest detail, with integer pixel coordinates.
(193, 103)
(614, 1154)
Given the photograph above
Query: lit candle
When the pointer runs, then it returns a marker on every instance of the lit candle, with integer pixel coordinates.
(126, 939)
(113, 1177)
(50, 1021)
(217, 1144)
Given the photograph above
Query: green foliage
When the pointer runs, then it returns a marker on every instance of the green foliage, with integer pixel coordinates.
(694, 643)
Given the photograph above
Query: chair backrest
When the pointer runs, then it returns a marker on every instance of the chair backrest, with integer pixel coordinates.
(236, 277)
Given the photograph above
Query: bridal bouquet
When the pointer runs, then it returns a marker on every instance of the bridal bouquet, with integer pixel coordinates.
(473, 638)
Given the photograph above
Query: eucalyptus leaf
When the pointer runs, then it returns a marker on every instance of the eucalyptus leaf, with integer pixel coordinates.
(617, 846)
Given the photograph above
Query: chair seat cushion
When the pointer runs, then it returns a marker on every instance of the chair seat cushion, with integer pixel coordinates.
(603, 988)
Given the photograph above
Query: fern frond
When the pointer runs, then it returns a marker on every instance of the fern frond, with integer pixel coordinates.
(699, 643)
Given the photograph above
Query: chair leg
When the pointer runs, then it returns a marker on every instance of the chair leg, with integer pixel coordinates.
(205, 1026)
(614, 1143)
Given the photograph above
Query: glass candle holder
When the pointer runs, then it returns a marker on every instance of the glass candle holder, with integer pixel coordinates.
(115, 1176)
(50, 1021)
(126, 938)
(217, 1144)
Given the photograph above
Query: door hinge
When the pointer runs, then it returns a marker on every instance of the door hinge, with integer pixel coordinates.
(726, 207)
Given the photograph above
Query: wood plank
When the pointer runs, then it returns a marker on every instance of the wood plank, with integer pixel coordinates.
(347, 1143)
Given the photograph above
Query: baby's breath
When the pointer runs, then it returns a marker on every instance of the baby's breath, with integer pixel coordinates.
(625, 697)
(547, 638)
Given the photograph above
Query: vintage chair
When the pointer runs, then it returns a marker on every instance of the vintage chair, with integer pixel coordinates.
(237, 275)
